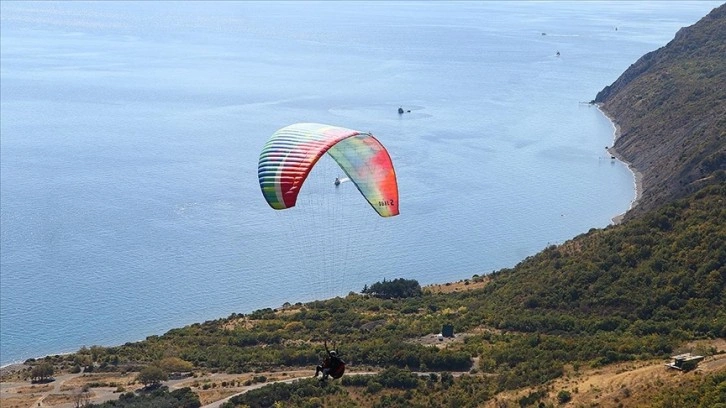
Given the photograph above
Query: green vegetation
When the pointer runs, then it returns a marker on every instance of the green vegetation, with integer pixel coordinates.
(660, 276)
(158, 398)
(627, 292)
(151, 376)
(701, 392)
(175, 365)
(300, 393)
(564, 397)
(395, 289)
(390, 388)
(42, 372)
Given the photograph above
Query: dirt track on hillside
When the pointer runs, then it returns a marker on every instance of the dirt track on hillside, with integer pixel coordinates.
(629, 384)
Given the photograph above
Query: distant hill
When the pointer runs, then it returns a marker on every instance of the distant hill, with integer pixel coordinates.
(670, 106)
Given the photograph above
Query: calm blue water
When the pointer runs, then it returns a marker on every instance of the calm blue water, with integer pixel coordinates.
(130, 134)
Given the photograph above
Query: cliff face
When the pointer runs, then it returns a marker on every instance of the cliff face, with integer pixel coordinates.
(671, 109)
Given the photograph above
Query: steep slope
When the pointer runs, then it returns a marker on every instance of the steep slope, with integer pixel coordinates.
(660, 273)
(671, 109)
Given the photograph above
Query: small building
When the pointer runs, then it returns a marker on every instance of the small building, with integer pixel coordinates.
(685, 362)
(447, 330)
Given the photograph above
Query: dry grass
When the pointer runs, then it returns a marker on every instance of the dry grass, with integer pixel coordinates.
(34, 389)
(626, 384)
(58, 399)
(220, 386)
(240, 322)
(212, 395)
(460, 286)
(24, 401)
(111, 379)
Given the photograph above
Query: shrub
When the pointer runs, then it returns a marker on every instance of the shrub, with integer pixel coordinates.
(564, 397)
(374, 387)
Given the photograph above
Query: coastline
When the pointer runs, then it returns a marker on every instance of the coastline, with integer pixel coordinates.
(15, 366)
(5, 366)
(637, 175)
(12, 368)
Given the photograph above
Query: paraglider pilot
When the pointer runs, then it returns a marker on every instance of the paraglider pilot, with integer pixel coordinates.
(332, 366)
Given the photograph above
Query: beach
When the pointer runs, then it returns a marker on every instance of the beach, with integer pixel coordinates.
(637, 175)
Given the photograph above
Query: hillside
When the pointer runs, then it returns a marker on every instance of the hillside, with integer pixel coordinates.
(570, 319)
(670, 106)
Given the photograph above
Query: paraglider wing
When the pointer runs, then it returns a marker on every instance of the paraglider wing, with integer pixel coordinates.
(290, 154)
(367, 163)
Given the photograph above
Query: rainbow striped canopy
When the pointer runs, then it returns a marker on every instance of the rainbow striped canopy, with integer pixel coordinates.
(291, 152)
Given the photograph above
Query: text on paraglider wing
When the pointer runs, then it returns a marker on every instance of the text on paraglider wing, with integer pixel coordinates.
(386, 203)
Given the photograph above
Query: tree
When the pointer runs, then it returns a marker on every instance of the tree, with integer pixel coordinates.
(175, 364)
(42, 372)
(564, 397)
(151, 375)
(397, 288)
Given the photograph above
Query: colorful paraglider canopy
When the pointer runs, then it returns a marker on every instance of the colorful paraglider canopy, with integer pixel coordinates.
(291, 153)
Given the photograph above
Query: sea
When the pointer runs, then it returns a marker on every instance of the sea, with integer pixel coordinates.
(130, 134)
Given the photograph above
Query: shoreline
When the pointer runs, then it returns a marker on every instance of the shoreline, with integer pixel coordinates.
(637, 180)
(12, 368)
(637, 175)
(21, 363)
